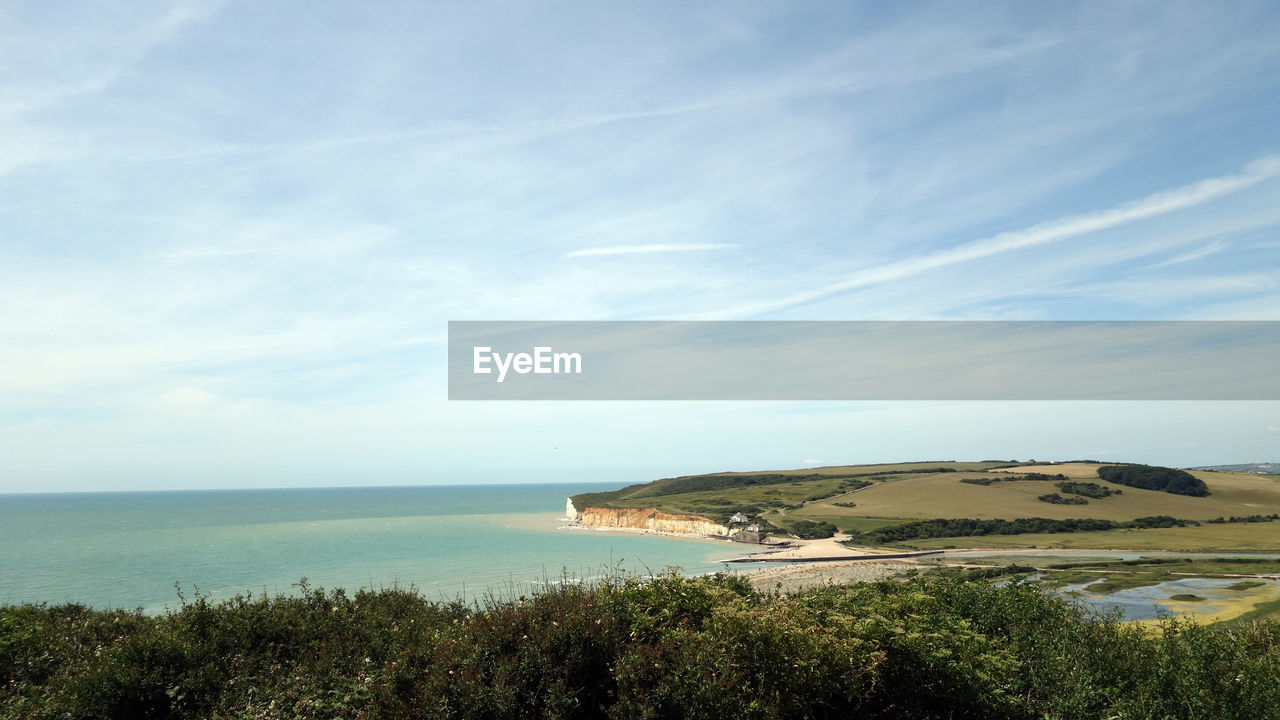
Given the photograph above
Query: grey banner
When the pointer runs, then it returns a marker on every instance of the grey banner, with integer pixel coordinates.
(821, 360)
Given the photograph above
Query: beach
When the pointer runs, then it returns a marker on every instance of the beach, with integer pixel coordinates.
(799, 576)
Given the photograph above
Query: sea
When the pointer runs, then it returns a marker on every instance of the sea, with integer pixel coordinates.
(147, 550)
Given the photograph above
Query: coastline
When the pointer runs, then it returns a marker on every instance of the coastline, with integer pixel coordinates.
(645, 531)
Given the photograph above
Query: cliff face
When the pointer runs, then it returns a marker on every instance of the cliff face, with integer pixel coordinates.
(648, 519)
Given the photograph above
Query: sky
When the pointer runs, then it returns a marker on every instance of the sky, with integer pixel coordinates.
(232, 234)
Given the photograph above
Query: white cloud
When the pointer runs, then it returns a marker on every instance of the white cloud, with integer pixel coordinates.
(1151, 206)
(244, 229)
(1197, 254)
(124, 50)
(186, 397)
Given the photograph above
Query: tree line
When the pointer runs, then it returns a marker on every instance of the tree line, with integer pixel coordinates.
(1150, 477)
(968, 527)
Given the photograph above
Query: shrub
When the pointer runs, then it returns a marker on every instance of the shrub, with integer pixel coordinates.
(1057, 499)
(1148, 477)
(1087, 489)
(932, 647)
(812, 529)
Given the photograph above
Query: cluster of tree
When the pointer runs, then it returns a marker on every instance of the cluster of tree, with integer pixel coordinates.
(1087, 489)
(1041, 477)
(1093, 565)
(1150, 477)
(810, 529)
(967, 527)
(1245, 519)
(1057, 499)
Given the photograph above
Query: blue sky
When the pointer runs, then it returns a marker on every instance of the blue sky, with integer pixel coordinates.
(231, 234)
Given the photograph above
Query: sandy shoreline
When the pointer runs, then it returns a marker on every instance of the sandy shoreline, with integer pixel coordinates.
(807, 575)
(798, 574)
(803, 549)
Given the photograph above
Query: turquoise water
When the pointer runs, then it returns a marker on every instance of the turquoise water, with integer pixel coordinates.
(126, 550)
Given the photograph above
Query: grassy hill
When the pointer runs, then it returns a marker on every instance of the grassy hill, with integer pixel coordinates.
(717, 496)
(865, 497)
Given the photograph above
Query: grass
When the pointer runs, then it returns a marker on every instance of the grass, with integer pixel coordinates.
(904, 492)
(810, 484)
(1267, 611)
(1241, 537)
(942, 495)
(845, 523)
(1205, 567)
(1246, 585)
(1115, 583)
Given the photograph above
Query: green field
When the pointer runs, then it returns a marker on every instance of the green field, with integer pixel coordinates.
(761, 492)
(1202, 538)
(861, 498)
(939, 495)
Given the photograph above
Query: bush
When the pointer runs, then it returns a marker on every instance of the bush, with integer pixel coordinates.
(1057, 499)
(1148, 477)
(710, 647)
(812, 529)
(969, 527)
(1087, 489)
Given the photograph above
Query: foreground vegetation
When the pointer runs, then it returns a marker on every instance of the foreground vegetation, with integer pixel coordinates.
(670, 647)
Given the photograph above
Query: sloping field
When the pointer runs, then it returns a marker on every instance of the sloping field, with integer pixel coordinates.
(719, 495)
(866, 497)
(870, 469)
(1075, 471)
(943, 495)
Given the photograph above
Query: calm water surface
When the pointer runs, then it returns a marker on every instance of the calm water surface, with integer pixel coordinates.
(126, 550)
